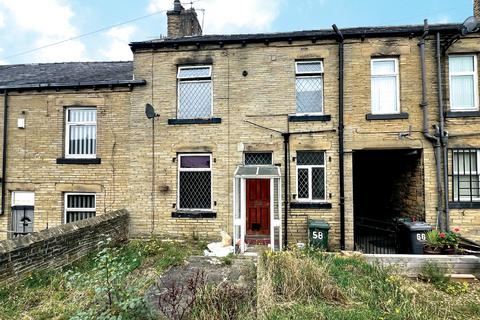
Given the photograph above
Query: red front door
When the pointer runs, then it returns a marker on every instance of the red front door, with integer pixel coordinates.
(258, 206)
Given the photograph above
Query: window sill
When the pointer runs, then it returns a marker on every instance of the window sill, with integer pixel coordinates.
(464, 205)
(305, 118)
(462, 114)
(194, 121)
(79, 161)
(310, 205)
(396, 116)
(194, 214)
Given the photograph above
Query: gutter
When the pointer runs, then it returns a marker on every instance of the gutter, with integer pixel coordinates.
(341, 127)
(314, 35)
(75, 85)
(426, 133)
(4, 149)
(443, 133)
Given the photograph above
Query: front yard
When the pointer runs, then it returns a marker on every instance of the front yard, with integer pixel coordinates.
(114, 284)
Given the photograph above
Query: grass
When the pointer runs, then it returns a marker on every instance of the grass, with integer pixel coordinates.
(299, 284)
(312, 284)
(77, 291)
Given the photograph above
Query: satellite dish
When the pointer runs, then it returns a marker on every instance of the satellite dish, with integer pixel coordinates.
(470, 25)
(150, 111)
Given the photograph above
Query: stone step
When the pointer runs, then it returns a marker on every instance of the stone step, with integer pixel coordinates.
(462, 277)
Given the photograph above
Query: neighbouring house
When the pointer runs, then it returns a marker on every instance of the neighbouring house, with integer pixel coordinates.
(255, 134)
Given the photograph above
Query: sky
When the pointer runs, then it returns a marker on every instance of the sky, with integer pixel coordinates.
(101, 29)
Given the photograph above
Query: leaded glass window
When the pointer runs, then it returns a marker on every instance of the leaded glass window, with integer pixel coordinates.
(258, 158)
(81, 133)
(311, 176)
(309, 86)
(194, 92)
(195, 181)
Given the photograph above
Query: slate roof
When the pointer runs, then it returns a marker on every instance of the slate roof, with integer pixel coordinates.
(383, 31)
(61, 74)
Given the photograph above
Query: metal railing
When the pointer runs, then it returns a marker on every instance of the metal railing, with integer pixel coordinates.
(376, 236)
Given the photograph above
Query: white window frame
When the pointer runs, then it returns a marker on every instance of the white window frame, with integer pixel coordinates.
(473, 73)
(396, 74)
(310, 75)
(65, 203)
(180, 169)
(204, 79)
(309, 168)
(250, 152)
(465, 173)
(67, 133)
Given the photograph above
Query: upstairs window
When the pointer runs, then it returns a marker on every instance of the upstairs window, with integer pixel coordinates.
(466, 175)
(463, 83)
(309, 87)
(195, 181)
(79, 206)
(195, 92)
(385, 86)
(311, 176)
(81, 133)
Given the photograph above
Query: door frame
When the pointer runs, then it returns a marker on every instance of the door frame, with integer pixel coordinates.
(240, 205)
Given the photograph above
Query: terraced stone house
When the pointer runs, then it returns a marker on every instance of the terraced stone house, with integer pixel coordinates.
(253, 134)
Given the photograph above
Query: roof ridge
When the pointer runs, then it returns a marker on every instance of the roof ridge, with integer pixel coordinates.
(65, 63)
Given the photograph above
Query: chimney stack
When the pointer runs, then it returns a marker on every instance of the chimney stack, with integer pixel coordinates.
(476, 8)
(181, 22)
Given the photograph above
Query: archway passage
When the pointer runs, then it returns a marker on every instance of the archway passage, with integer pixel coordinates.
(388, 185)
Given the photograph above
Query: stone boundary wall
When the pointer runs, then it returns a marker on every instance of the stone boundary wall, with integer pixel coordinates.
(411, 265)
(59, 246)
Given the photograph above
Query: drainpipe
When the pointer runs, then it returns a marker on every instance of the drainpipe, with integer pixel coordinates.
(432, 138)
(443, 133)
(341, 127)
(286, 143)
(4, 151)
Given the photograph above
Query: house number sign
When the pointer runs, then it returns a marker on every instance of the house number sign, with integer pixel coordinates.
(421, 237)
(317, 235)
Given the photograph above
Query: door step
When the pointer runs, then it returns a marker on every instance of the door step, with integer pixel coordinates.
(257, 240)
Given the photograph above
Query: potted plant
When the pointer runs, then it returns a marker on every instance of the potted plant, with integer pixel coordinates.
(432, 243)
(450, 241)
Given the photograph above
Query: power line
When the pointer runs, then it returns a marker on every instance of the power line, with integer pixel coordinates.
(84, 34)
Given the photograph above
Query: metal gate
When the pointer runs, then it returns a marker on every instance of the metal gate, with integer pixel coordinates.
(376, 236)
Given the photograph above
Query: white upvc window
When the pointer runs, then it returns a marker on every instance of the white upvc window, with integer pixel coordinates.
(309, 87)
(81, 132)
(463, 82)
(194, 182)
(385, 86)
(194, 92)
(466, 175)
(79, 206)
(311, 176)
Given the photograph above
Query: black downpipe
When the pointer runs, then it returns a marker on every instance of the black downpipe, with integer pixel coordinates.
(341, 148)
(432, 138)
(286, 143)
(443, 133)
(4, 151)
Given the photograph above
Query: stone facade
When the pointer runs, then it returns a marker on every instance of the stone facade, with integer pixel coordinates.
(253, 97)
(60, 246)
(33, 153)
